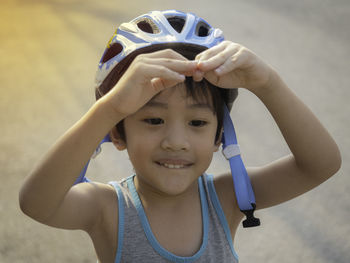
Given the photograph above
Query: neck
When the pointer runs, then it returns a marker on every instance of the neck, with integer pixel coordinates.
(153, 198)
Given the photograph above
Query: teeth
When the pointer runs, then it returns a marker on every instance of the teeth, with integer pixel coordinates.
(173, 166)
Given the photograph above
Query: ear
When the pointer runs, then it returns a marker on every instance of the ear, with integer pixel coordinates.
(118, 142)
(218, 142)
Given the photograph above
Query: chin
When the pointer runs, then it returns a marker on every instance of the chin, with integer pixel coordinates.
(169, 182)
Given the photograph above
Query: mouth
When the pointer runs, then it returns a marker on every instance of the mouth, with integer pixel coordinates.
(174, 164)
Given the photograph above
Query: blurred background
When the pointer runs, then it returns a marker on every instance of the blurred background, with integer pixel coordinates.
(49, 50)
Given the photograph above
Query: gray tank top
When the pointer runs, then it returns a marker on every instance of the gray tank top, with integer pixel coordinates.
(136, 242)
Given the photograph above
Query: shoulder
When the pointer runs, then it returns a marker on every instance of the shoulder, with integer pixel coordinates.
(104, 231)
(104, 201)
(95, 193)
(84, 206)
(105, 197)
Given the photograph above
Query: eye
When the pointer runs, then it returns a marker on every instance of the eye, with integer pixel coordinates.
(154, 121)
(198, 123)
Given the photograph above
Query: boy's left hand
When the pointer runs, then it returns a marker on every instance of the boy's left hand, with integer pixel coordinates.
(230, 65)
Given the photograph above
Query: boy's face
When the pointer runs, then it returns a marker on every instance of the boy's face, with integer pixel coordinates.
(171, 141)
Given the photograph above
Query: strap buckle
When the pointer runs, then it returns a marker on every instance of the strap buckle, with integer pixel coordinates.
(251, 220)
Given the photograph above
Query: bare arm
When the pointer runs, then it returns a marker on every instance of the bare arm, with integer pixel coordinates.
(314, 155)
(47, 194)
(49, 185)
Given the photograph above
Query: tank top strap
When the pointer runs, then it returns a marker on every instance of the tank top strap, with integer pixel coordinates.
(213, 197)
(121, 203)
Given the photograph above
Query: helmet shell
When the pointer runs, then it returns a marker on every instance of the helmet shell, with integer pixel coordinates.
(185, 33)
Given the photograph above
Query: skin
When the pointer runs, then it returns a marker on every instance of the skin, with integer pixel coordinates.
(167, 124)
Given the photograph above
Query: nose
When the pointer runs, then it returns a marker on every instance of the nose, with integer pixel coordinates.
(175, 139)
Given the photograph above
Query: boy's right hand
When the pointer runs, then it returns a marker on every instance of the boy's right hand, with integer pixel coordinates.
(147, 75)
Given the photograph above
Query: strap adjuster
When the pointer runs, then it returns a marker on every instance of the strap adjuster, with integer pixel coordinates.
(231, 150)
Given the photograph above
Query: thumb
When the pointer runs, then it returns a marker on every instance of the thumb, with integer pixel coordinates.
(160, 84)
(212, 77)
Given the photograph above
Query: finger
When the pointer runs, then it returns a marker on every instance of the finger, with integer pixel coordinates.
(186, 67)
(218, 59)
(211, 52)
(198, 75)
(157, 84)
(165, 53)
(212, 78)
(160, 84)
(154, 71)
(229, 65)
(240, 60)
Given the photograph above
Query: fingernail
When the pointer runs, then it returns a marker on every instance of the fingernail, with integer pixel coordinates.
(198, 73)
(181, 77)
(201, 63)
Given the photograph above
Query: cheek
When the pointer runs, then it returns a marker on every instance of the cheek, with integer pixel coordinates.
(140, 147)
(205, 145)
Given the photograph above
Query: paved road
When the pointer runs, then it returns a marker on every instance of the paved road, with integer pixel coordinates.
(49, 51)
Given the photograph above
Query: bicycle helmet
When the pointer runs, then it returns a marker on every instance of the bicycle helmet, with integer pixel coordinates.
(189, 35)
(186, 33)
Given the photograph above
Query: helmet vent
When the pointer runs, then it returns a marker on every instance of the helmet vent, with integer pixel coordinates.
(112, 51)
(148, 26)
(177, 23)
(202, 29)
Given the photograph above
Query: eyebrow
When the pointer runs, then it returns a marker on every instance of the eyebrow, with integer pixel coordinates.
(156, 104)
(198, 105)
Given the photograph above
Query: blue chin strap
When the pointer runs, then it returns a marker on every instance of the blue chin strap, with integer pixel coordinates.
(243, 188)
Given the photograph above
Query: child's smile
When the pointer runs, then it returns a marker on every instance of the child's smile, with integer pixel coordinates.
(174, 163)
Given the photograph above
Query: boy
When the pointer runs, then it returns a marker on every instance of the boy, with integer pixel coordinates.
(166, 97)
